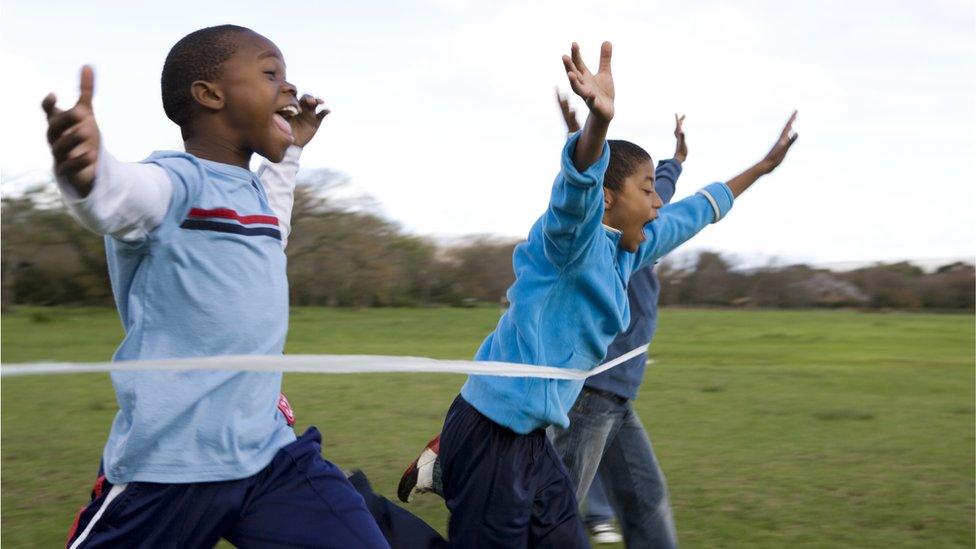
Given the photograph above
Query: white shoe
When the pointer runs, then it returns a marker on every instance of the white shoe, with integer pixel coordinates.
(605, 533)
(419, 476)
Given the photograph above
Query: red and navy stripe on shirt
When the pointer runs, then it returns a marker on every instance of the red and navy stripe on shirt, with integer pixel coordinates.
(225, 220)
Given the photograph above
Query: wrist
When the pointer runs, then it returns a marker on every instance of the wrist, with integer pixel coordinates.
(598, 120)
(595, 129)
(81, 189)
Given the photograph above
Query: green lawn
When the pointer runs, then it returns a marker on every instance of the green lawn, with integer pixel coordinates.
(776, 429)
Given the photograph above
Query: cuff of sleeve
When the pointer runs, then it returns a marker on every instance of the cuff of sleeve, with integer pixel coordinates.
(720, 197)
(672, 164)
(290, 161)
(592, 175)
(68, 192)
(293, 154)
(287, 169)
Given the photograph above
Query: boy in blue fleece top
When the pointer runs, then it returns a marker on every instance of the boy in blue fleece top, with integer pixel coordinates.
(503, 481)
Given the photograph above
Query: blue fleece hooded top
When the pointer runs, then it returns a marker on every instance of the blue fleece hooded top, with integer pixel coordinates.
(569, 298)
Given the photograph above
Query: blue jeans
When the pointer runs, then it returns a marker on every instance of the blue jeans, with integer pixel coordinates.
(596, 506)
(605, 433)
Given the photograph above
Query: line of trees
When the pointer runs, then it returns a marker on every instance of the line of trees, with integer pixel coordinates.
(712, 280)
(342, 253)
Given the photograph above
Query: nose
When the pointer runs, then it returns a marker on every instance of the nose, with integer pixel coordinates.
(290, 88)
(655, 206)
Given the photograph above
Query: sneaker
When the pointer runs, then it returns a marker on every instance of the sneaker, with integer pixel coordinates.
(604, 533)
(419, 476)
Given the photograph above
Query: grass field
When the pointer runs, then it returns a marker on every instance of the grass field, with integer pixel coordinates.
(776, 429)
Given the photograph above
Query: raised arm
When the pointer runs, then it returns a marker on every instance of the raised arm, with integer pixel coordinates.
(576, 203)
(278, 179)
(598, 93)
(680, 145)
(568, 112)
(667, 172)
(679, 221)
(773, 158)
(682, 220)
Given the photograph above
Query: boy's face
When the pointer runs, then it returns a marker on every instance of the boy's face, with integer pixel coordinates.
(258, 100)
(632, 206)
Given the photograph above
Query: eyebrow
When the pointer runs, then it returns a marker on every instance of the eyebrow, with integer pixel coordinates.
(269, 53)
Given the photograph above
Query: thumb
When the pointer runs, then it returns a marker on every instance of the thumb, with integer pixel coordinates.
(49, 104)
(606, 52)
(87, 86)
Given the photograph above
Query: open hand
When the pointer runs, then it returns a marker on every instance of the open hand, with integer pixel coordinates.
(304, 126)
(680, 147)
(786, 139)
(74, 136)
(569, 114)
(595, 89)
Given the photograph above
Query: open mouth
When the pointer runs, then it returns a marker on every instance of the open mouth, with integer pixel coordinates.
(281, 117)
(288, 111)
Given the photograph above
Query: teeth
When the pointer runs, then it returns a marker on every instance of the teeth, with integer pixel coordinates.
(288, 111)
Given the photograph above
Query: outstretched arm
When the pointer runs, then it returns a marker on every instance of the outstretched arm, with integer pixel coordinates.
(773, 158)
(74, 137)
(678, 222)
(107, 196)
(598, 93)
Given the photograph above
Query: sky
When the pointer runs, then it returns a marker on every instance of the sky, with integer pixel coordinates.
(444, 110)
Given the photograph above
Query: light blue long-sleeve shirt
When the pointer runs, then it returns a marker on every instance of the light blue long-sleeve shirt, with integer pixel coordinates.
(569, 298)
(209, 280)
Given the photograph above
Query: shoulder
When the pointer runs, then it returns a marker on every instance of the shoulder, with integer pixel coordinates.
(187, 176)
(180, 163)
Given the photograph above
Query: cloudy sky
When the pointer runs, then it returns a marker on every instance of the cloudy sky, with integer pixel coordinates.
(444, 112)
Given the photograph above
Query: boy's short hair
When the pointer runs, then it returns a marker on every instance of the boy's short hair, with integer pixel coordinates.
(197, 56)
(625, 158)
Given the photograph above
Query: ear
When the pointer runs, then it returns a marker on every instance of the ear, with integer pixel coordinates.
(608, 199)
(207, 94)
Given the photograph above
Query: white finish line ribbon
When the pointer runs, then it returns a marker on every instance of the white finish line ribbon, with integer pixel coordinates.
(319, 364)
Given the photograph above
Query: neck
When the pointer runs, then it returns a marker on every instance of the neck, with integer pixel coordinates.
(607, 222)
(217, 149)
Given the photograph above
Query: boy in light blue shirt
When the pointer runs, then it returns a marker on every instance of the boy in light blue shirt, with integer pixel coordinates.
(503, 482)
(195, 246)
